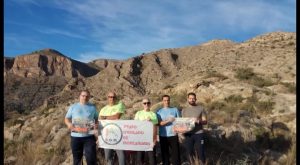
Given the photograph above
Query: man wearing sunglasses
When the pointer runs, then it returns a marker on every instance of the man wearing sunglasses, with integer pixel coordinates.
(113, 111)
(147, 115)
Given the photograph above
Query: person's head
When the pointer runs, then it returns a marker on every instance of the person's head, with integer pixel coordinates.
(84, 96)
(191, 98)
(112, 98)
(146, 104)
(166, 101)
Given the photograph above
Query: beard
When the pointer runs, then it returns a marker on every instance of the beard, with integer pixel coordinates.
(193, 103)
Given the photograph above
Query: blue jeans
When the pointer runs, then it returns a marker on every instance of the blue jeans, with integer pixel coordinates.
(86, 144)
(197, 141)
(109, 159)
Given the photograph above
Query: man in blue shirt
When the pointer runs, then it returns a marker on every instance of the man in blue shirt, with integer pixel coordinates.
(167, 137)
(82, 120)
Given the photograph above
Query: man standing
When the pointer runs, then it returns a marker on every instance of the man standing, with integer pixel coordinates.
(82, 120)
(195, 137)
(113, 111)
(167, 137)
(147, 115)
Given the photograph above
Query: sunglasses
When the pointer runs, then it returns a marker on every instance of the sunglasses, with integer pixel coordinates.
(146, 103)
(111, 96)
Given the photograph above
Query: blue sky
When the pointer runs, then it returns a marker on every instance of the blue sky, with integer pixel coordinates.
(85, 30)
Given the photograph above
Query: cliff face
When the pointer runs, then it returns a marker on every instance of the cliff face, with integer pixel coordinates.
(48, 62)
(30, 79)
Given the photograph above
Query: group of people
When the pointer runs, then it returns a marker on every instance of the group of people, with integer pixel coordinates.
(163, 119)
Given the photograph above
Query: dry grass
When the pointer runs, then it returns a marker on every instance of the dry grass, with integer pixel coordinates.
(291, 154)
(28, 153)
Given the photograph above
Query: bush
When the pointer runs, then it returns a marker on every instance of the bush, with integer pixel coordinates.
(216, 105)
(248, 75)
(291, 87)
(265, 106)
(244, 73)
(234, 99)
(261, 82)
(212, 73)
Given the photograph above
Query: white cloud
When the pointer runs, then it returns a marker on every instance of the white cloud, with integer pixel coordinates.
(132, 27)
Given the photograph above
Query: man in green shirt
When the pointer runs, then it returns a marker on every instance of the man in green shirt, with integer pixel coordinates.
(147, 115)
(113, 111)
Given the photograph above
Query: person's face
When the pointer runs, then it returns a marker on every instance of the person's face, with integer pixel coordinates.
(84, 97)
(166, 101)
(192, 100)
(111, 98)
(146, 104)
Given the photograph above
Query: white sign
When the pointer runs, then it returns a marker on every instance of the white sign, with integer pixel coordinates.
(134, 135)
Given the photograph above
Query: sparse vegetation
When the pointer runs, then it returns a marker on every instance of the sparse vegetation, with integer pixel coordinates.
(291, 87)
(249, 76)
(244, 73)
(213, 73)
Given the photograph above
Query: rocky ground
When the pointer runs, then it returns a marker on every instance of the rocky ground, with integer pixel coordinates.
(248, 89)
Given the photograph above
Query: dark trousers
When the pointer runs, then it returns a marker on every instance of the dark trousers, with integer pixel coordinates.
(140, 156)
(86, 144)
(165, 143)
(194, 140)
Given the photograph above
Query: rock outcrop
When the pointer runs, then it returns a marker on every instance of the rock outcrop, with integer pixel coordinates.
(48, 62)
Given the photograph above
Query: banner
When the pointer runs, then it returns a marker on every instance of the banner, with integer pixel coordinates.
(132, 135)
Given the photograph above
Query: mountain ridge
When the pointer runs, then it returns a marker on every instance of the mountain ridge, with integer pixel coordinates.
(248, 89)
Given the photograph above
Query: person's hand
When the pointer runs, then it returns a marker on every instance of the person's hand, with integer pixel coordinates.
(70, 126)
(195, 120)
(171, 119)
(96, 133)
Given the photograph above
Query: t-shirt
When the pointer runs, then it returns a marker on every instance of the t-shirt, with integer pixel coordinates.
(109, 110)
(83, 115)
(194, 111)
(144, 115)
(164, 114)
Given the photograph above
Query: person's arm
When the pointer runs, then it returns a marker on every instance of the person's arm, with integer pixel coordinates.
(167, 121)
(69, 124)
(154, 134)
(203, 119)
(113, 117)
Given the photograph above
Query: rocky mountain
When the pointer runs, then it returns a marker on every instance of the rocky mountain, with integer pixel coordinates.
(247, 88)
(30, 79)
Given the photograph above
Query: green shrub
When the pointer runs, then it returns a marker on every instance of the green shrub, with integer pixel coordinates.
(265, 106)
(216, 105)
(212, 73)
(248, 75)
(261, 82)
(244, 73)
(234, 99)
(291, 87)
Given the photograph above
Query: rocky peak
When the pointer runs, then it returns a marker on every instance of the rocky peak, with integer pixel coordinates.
(48, 62)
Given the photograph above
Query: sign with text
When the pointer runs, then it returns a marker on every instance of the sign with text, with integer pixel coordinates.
(132, 135)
